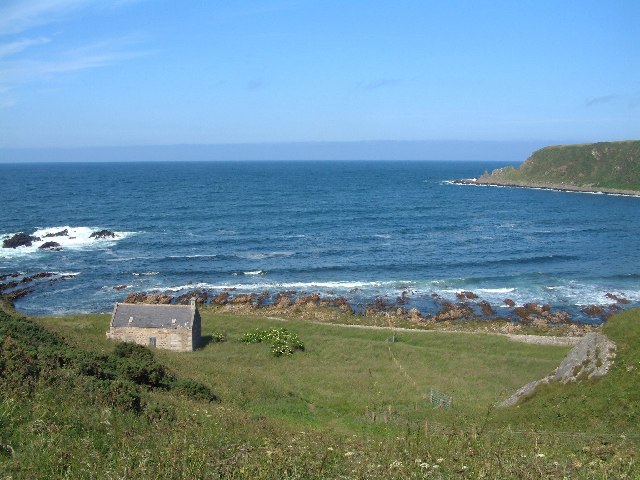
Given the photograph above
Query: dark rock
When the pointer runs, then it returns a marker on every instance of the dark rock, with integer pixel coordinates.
(618, 298)
(43, 275)
(243, 298)
(593, 310)
(102, 234)
(119, 287)
(9, 275)
(309, 300)
(19, 293)
(466, 295)
(509, 303)
(221, 299)
(451, 311)
(282, 300)
(61, 233)
(487, 310)
(201, 297)
(151, 298)
(403, 299)
(50, 246)
(262, 298)
(19, 240)
(8, 286)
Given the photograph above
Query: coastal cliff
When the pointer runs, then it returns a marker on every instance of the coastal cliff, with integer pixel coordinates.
(610, 167)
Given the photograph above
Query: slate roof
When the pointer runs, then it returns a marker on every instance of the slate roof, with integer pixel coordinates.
(153, 316)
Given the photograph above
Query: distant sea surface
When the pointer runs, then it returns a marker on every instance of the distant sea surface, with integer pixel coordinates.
(357, 229)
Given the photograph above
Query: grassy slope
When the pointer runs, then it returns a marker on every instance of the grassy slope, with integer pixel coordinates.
(344, 371)
(296, 417)
(614, 165)
(608, 405)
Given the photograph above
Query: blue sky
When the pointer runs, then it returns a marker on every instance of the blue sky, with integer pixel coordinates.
(97, 73)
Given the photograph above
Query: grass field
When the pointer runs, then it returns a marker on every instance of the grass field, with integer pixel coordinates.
(311, 414)
(345, 372)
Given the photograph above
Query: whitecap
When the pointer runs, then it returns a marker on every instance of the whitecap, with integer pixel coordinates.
(145, 274)
(77, 238)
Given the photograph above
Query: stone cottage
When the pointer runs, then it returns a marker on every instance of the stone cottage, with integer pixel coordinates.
(172, 327)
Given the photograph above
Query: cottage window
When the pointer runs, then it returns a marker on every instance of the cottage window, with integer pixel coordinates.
(130, 319)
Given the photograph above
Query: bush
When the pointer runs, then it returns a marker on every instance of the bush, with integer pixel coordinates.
(120, 394)
(194, 390)
(217, 337)
(159, 412)
(136, 363)
(282, 341)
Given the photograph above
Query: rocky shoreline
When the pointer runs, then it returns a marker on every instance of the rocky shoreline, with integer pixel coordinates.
(489, 182)
(469, 309)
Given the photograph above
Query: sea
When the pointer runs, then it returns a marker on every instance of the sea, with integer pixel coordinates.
(363, 230)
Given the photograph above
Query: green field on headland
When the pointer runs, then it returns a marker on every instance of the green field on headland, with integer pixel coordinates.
(353, 404)
(605, 166)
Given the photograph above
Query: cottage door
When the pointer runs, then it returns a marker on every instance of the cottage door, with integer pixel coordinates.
(152, 342)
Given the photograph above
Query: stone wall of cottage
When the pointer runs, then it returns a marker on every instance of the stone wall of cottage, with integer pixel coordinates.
(176, 339)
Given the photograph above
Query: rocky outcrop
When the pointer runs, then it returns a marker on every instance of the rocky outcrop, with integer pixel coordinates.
(61, 233)
(19, 240)
(151, 298)
(451, 311)
(618, 298)
(102, 234)
(487, 309)
(50, 246)
(591, 358)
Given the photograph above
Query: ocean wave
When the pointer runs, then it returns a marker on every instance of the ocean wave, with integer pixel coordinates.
(144, 274)
(265, 255)
(77, 238)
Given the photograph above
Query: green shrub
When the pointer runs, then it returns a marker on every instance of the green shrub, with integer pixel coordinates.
(160, 412)
(217, 337)
(194, 390)
(120, 394)
(281, 340)
(136, 363)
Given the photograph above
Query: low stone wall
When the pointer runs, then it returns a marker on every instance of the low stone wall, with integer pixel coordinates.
(178, 340)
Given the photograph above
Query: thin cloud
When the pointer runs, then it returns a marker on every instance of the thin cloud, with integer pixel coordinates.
(19, 16)
(380, 83)
(102, 54)
(603, 99)
(21, 64)
(18, 46)
(631, 100)
(15, 73)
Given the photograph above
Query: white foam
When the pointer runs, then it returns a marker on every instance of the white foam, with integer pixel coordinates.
(78, 238)
(263, 256)
(255, 272)
(495, 290)
(146, 274)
